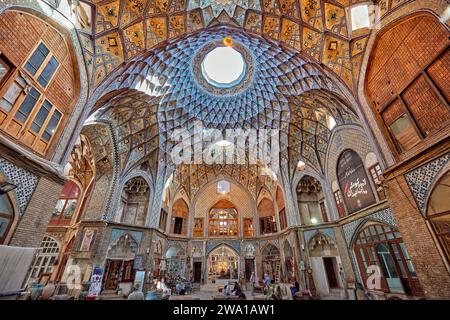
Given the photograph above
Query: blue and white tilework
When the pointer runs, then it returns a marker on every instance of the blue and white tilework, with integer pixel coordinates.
(421, 180)
(24, 180)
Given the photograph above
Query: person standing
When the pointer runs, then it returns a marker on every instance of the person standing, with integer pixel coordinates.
(251, 283)
(136, 294)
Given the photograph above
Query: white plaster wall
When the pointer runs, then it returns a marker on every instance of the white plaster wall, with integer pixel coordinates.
(319, 275)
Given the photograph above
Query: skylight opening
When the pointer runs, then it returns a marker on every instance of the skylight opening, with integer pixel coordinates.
(301, 165)
(223, 67)
(331, 122)
(360, 17)
(223, 187)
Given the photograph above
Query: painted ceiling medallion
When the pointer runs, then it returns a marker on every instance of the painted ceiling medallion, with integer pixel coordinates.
(235, 9)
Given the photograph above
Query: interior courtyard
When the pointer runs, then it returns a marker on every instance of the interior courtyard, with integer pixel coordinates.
(225, 149)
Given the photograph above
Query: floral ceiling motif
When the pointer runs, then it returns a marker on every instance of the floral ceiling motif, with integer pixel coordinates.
(114, 31)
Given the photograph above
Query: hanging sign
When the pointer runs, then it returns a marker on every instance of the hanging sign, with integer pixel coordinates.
(353, 181)
(96, 284)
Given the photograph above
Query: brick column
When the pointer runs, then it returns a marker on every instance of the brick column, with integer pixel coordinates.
(431, 271)
(32, 225)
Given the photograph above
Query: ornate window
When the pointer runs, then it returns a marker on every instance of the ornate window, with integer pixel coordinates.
(163, 219)
(408, 84)
(339, 203)
(46, 259)
(198, 227)
(268, 225)
(375, 172)
(32, 102)
(248, 228)
(180, 215)
(42, 65)
(67, 203)
(6, 216)
(223, 220)
(382, 246)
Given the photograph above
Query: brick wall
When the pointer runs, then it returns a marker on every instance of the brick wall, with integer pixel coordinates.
(409, 66)
(20, 33)
(32, 226)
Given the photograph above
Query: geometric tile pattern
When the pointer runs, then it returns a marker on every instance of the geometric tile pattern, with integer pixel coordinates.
(421, 180)
(180, 244)
(117, 233)
(212, 244)
(311, 233)
(24, 180)
(271, 100)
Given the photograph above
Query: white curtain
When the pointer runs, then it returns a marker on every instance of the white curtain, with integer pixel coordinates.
(14, 265)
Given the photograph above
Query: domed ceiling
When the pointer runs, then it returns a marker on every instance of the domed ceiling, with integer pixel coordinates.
(158, 92)
(142, 57)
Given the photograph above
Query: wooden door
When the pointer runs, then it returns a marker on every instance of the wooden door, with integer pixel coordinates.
(197, 272)
(249, 268)
(112, 279)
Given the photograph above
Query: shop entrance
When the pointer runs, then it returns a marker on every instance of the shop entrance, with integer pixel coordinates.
(223, 264)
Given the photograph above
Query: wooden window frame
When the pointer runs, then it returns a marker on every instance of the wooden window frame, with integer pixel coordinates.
(248, 232)
(323, 211)
(198, 232)
(339, 199)
(440, 235)
(368, 241)
(39, 144)
(163, 220)
(283, 219)
(48, 252)
(11, 71)
(41, 68)
(10, 217)
(267, 226)
(373, 170)
(26, 126)
(434, 87)
(232, 229)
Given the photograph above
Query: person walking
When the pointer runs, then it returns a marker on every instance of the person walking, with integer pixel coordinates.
(136, 294)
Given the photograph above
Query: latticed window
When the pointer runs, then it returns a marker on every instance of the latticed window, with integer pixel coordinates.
(48, 255)
(198, 227)
(248, 227)
(339, 203)
(375, 172)
(382, 246)
(223, 222)
(67, 203)
(268, 224)
(26, 112)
